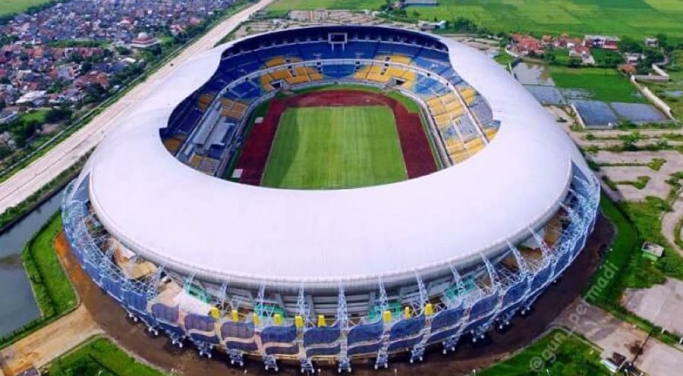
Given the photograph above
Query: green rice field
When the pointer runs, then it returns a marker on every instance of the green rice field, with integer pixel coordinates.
(335, 147)
(634, 18)
(601, 84)
(17, 6)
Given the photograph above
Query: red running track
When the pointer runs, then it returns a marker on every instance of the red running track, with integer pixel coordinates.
(417, 154)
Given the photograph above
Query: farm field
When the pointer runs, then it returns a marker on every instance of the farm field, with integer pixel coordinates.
(335, 147)
(601, 84)
(635, 18)
(16, 6)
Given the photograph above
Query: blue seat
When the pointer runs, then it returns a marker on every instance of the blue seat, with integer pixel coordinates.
(338, 71)
(324, 335)
(438, 55)
(482, 112)
(242, 330)
(365, 333)
(467, 128)
(278, 334)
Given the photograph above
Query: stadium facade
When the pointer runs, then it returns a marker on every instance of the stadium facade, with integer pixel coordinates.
(331, 275)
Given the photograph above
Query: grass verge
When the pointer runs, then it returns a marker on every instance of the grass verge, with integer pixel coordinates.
(53, 291)
(99, 357)
(557, 353)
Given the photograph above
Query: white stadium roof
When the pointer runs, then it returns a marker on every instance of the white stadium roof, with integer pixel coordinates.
(219, 230)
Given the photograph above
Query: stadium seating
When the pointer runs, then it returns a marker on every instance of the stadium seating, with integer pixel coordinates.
(462, 136)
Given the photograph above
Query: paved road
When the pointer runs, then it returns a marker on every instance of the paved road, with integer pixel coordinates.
(60, 158)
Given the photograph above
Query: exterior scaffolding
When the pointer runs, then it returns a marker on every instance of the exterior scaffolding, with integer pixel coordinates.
(90, 245)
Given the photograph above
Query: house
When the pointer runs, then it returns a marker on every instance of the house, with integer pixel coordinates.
(36, 98)
(633, 58)
(583, 53)
(424, 25)
(605, 42)
(628, 69)
(526, 44)
(651, 42)
(8, 116)
(144, 41)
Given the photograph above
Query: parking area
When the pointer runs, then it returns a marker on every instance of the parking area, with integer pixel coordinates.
(659, 304)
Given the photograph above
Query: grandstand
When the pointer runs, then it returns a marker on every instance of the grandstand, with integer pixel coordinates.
(339, 274)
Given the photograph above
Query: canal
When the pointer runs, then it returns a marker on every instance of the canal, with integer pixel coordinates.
(17, 303)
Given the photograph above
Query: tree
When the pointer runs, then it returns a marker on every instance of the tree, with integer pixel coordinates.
(58, 114)
(629, 44)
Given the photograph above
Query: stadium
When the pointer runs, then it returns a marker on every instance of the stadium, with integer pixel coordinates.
(331, 194)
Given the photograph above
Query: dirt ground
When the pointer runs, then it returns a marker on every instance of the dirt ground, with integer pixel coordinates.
(43, 346)
(159, 352)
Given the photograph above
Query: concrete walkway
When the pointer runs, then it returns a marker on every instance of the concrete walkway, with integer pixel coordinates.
(49, 343)
(30, 179)
(669, 222)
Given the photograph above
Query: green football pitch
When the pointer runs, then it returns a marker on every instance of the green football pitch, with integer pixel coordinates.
(335, 147)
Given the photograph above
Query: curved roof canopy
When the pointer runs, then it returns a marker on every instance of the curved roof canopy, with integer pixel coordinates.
(219, 230)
